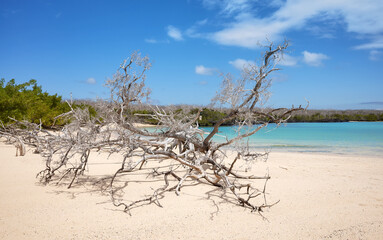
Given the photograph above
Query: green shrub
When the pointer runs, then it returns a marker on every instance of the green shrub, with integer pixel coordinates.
(27, 101)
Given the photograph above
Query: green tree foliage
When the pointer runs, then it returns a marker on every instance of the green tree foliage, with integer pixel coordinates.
(209, 117)
(144, 116)
(343, 116)
(27, 101)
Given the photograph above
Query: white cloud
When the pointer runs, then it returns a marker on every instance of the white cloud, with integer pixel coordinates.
(201, 70)
(322, 32)
(248, 33)
(174, 33)
(314, 59)
(91, 81)
(276, 3)
(288, 60)
(156, 41)
(229, 7)
(375, 55)
(193, 30)
(246, 30)
(240, 63)
(150, 40)
(375, 44)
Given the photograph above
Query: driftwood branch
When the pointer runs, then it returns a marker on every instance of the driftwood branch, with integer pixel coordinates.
(178, 151)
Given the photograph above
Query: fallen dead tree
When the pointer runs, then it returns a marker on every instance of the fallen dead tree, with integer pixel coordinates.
(177, 151)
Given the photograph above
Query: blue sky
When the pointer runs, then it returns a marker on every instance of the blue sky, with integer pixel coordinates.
(335, 59)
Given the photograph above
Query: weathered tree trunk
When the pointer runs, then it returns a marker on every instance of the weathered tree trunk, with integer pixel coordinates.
(178, 141)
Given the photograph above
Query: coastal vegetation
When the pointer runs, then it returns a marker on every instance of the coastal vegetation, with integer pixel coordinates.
(28, 101)
(209, 116)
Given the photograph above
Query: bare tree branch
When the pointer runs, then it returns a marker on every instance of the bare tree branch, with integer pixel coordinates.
(177, 151)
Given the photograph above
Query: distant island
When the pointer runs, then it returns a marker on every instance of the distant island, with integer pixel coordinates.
(210, 116)
(27, 101)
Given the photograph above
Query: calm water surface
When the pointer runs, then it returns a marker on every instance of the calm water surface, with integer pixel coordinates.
(342, 138)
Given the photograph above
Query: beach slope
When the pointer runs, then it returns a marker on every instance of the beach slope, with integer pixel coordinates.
(321, 197)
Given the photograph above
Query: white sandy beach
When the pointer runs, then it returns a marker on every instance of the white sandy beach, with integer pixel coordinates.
(321, 197)
(143, 125)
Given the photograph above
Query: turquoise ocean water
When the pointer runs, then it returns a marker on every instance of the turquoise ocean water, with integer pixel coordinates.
(364, 138)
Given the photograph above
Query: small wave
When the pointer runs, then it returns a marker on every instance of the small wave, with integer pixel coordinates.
(293, 146)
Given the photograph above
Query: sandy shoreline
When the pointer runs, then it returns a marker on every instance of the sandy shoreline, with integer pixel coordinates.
(321, 196)
(144, 125)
